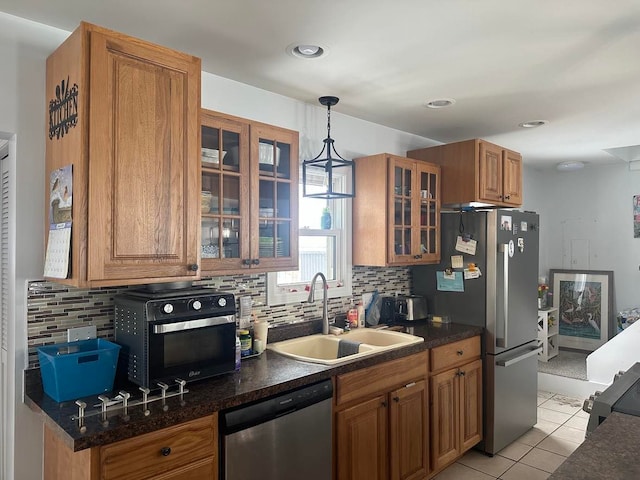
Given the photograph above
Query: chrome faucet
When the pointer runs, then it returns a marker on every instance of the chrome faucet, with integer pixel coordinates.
(325, 310)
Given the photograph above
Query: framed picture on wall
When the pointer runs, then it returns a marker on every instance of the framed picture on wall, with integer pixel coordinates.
(584, 299)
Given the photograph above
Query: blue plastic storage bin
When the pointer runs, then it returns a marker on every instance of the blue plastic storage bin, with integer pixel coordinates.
(78, 369)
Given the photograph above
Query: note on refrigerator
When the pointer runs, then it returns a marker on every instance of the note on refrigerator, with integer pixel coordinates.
(468, 246)
(450, 282)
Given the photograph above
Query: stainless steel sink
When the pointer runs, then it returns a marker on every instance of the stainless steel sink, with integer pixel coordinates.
(324, 348)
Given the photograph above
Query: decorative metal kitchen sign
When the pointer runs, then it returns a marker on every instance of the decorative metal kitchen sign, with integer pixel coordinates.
(63, 109)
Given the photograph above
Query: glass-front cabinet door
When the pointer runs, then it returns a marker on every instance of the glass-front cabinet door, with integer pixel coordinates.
(249, 195)
(414, 230)
(401, 242)
(225, 197)
(274, 187)
(428, 180)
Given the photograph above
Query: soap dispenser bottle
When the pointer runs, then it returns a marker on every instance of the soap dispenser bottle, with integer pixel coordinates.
(360, 310)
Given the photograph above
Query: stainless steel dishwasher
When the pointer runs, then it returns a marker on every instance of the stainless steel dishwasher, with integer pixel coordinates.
(283, 437)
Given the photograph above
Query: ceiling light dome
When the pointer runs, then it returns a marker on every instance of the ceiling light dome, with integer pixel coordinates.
(570, 166)
(533, 123)
(306, 50)
(439, 103)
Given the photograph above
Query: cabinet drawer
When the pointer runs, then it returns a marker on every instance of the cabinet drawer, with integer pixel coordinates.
(380, 378)
(456, 353)
(148, 455)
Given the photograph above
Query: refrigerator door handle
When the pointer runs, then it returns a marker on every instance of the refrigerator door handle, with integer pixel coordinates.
(502, 342)
(511, 361)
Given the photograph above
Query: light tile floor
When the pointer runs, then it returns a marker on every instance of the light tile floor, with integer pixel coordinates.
(536, 454)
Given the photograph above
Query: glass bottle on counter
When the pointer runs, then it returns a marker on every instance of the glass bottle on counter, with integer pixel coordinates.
(245, 342)
(238, 351)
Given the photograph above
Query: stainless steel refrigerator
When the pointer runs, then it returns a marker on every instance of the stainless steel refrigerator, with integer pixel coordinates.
(503, 300)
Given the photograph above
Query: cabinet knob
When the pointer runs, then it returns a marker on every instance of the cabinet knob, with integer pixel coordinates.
(396, 399)
(255, 261)
(383, 404)
(460, 352)
(462, 373)
(193, 267)
(165, 451)
(507, 197)
(246, 261)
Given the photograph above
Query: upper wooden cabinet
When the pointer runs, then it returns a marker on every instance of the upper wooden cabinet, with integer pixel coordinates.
(476, 171)
(125, 114)
(249, 198)
(396, 211)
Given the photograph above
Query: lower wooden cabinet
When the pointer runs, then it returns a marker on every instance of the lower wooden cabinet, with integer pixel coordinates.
(205, 469)
(456, 408)
(362, 440)
(382, 424)
(409, 431)
(183, 452)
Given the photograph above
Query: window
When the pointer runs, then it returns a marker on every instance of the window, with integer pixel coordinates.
(320, 250)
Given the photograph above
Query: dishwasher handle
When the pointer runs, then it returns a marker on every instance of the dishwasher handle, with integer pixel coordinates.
(246, 416)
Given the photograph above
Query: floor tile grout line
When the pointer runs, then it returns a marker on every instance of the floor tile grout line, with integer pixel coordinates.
(503, 473)
(535, 468)
(472, 468)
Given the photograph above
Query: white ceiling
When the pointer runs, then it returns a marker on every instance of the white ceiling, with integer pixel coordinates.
(574, 63)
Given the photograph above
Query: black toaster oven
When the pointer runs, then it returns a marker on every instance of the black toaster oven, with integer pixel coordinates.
(186, 334)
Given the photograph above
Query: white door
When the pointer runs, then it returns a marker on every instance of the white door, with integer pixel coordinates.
(4, 311)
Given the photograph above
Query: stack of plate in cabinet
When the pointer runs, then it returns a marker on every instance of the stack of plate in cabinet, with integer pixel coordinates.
(210, 155)
(266, 247)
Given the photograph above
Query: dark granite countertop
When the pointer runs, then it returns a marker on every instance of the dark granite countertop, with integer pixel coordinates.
(610, 452)
(259, 377)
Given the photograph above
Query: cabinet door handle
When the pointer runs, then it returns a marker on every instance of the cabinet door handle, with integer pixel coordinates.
(507, 197)
(165, 451)
(383, 404)
(460, 352)
(246, 261)
(255, 261)
(193, 267)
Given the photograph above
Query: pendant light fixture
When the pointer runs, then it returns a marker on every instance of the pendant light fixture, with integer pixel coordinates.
(320, 171)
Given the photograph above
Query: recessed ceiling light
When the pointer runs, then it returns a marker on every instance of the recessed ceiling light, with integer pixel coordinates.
(306, 50)
(569, 166)
(440, 103)
(532, 124)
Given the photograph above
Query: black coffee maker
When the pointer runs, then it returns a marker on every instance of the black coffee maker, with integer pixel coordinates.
(388, 310)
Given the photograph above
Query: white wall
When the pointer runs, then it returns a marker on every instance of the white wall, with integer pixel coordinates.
(587, 223)
(536, 198)
(353, 137)
(24, 47)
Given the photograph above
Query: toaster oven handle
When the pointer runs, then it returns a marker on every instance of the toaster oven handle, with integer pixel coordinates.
(193, 324)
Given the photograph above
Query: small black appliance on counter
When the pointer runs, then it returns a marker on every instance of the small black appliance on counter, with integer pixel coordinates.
(186, 333)
(388, 310)
(411, 307)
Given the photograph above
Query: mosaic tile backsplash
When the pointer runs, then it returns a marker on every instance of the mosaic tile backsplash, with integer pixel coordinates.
(53, 308)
